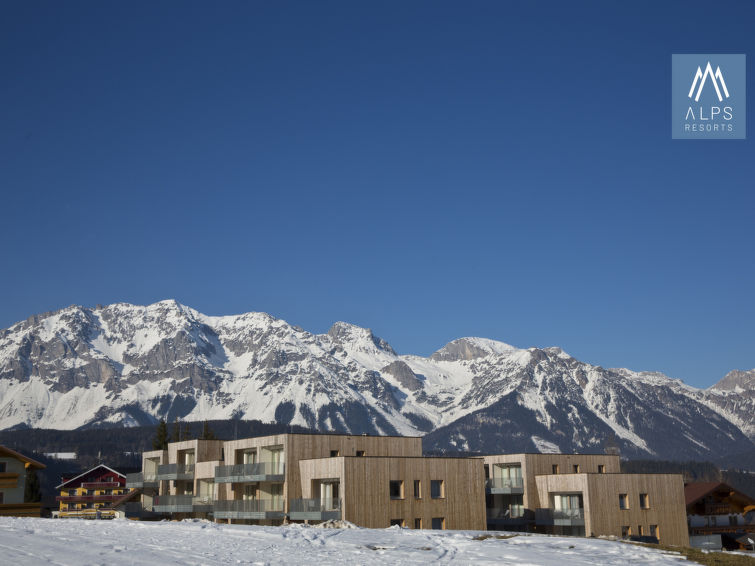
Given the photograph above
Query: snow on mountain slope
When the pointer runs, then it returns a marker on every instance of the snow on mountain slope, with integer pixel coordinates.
(131, 364)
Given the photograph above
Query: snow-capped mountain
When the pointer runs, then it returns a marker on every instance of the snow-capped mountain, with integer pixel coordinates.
(132, 364)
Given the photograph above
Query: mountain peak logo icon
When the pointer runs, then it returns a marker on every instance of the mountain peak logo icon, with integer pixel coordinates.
(715, 78)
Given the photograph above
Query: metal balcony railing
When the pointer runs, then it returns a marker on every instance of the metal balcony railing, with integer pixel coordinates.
(261, 471)
(512, 513)
(175, 472)
(86, 498)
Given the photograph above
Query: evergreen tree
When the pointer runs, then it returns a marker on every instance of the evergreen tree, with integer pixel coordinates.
(207, 433)
(186, 433)
(160, 441)
(176, 434)
(32, 493)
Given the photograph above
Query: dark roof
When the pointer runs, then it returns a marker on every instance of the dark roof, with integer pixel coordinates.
(25, 459)
(693, 492)
(121, 500)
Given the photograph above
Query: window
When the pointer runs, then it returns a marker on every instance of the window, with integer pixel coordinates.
(644, 501)
(417, 523)
(417, 489)
(335, 453)
(3, 467)
(399, 522)
(360, 453)
(576, 468)
(397, 489)
(655, 532)
(439, 523)
(601, 468)
(623, 501)
(640, 530)
(626, 531)
(1, 497)
(437, 489)
(733, 522)
(555, 468)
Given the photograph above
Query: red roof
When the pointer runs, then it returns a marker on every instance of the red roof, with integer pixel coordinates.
(695, 491)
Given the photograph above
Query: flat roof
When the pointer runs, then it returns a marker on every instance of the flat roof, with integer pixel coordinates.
(395, 457)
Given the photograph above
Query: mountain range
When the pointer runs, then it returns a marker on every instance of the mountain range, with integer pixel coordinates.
(124, 364)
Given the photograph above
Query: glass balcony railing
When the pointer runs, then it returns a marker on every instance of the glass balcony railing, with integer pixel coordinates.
(175, 472)
(314, 509)
(509, 485)
(261, 471)
(141, 481)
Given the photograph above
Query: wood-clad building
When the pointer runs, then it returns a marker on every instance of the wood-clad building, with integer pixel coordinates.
(621, 505)
(381, 491)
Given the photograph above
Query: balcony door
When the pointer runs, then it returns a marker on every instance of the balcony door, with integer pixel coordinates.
(508, 475)
(569, 504)
(250, 457)
(329, 494)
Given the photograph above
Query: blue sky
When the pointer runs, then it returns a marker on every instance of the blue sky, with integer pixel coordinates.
(427, 169)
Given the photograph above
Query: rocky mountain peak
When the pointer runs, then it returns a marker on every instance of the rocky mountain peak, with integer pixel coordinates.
(737, 380)
(471, 348)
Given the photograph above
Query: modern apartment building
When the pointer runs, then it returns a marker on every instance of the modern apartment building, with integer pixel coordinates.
(382, 481)
(369, 480)
(583, 495)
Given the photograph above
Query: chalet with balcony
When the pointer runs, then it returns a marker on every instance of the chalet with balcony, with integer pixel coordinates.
(13, 475)
(91, 493)
(718, 515)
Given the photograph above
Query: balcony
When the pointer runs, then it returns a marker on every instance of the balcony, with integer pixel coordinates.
(504, 486)
(249, 509)
(560, 517)
(100, 484)
(182, 504)
(508, 516)
(140, 481)
(86, 498)
(135, 510)
(314, 509)
(245, 473)
(175, 472)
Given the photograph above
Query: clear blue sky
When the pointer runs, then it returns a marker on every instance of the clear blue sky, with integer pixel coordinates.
(430, 170)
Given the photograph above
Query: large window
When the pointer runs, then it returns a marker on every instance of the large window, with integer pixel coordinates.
(418, 523)
(623, 501)
(417, 489)
(626, 531)
(437, 489)
(396, 489)
(601, 468)
(439, 523)
(655, 532)
(576, 468)
(399, 522)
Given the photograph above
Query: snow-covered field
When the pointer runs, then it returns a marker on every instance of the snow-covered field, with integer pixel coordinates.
(26, 541)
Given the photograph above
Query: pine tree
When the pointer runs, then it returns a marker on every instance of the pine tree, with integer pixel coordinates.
(32, 493)
(175, 436)
(160, 441)
(186, 432)
(207, 433)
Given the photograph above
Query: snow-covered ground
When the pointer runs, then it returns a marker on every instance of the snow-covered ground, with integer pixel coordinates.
(28, 542)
